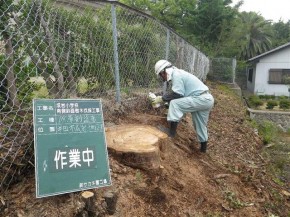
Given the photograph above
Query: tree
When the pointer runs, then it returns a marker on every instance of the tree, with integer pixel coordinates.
(201, 22)
(257, 35)
(173, 13)
(281, 33)
(208, 21)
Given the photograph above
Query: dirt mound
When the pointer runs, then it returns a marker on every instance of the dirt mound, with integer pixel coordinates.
(229, 180)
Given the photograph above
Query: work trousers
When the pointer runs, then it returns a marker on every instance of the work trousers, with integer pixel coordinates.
(198, 106)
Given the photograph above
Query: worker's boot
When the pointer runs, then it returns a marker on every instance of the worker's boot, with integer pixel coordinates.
(203, 146)
(173, 127)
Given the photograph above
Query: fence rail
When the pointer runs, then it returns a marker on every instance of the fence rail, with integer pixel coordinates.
(83, 49)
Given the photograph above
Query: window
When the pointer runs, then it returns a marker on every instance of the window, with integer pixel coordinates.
(250, 75)
(277, 76)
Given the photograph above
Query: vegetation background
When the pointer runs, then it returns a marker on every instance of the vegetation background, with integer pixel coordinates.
(216, 28)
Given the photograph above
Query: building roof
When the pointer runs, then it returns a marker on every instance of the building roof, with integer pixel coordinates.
(270, 52)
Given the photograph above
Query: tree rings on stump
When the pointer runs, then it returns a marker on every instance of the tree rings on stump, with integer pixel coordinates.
(135, 145)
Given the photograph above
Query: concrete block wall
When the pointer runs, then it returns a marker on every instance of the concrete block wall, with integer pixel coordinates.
(282, 119)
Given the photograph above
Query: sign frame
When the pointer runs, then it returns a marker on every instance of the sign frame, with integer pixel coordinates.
(70, 146)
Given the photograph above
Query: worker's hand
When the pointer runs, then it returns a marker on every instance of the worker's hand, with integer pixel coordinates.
(156, 102)
(152, 96)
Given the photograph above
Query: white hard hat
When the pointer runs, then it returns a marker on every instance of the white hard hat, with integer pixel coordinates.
(161, 65)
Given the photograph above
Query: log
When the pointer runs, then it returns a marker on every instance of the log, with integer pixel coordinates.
(135, 145)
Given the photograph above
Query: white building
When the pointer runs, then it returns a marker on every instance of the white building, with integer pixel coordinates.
(266, 75)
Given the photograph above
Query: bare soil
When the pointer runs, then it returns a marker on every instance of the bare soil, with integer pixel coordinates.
(231, 179)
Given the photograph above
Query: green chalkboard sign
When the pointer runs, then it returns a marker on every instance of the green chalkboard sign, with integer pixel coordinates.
(70, 146)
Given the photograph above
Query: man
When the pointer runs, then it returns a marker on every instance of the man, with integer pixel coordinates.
(189, 94)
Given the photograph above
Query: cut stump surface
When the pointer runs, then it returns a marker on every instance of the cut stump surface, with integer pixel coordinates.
(135, 145)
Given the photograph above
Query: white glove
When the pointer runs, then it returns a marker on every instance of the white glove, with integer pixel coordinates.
(156, 102)
(152, 96)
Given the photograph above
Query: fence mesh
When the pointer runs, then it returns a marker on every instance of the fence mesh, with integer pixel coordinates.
(76, 49)
(223, 70)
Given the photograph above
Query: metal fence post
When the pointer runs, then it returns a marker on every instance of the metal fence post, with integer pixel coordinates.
(116, 56)
(167, 44)
(166, 57)
(234, 64)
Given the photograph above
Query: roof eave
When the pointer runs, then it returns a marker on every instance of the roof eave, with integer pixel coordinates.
(269, 52)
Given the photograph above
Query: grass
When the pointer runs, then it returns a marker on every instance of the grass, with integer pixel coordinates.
(234, 202)
(269, 131)
(276, 150)
(139, 176)
(279, 155)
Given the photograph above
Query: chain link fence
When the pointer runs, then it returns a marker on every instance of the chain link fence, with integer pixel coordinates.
(77, 49)
(223, 69)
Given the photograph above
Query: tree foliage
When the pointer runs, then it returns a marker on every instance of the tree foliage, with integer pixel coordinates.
(257, 35)
(211, 19)
(281, 33)
(218, 28)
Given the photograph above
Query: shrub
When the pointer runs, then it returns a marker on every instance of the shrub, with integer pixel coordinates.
(284, 104)
(282, 97)
(262, 96)
(267, 97)
(255, 101)
(271, 104)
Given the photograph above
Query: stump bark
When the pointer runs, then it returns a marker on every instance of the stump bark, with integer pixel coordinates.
(111, 201)
(135, 145)
(89, 199)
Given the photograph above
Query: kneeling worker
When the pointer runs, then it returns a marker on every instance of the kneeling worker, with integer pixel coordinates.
(189, 94)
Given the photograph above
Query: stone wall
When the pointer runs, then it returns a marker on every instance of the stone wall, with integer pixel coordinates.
(282, 119)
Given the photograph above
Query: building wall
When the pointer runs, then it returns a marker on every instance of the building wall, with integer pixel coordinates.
(278, 60)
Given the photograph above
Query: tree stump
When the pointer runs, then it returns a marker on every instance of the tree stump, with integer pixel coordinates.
(111, 201)
(89, 199)
(135, 145)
